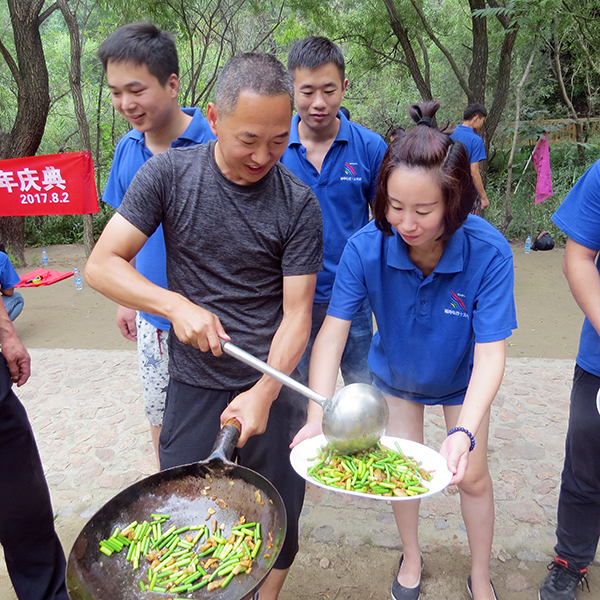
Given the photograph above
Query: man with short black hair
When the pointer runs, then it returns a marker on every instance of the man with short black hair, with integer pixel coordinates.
(340, 161)
(142, 70)
(244, 243)
(467, 133)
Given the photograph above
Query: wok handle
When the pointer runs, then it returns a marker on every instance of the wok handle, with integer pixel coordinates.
(225, 442)
(263, 367)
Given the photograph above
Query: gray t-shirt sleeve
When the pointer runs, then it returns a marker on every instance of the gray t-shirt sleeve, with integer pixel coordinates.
(303, 250)
(148, 194)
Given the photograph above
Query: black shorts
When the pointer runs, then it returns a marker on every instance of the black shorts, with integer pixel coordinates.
(190, 426)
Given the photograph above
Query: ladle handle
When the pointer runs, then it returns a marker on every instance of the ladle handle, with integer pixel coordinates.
(263, 367)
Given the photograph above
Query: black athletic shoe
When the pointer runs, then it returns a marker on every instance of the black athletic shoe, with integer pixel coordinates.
(562, 581)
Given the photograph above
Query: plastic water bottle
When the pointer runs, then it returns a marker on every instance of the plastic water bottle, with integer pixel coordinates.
(44, 258)
(528, 245)
(78, 281)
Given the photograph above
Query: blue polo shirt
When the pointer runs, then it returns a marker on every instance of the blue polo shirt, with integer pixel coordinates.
(9, 278)
(428, 327)
(579, 217)
(472, 141)
(344, 187)
(130, 154)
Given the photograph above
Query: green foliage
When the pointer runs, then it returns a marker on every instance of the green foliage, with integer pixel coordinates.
(528, 217)
(63, 229)
(380, 90)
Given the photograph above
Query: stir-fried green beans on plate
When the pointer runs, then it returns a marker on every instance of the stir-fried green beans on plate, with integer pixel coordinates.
(378, 471)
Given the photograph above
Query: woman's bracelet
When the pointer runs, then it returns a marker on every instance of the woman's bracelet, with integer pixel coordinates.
(471, 436)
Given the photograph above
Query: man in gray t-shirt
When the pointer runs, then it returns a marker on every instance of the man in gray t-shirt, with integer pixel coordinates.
(244, 243)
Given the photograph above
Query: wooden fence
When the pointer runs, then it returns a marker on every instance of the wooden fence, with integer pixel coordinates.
(564, 130)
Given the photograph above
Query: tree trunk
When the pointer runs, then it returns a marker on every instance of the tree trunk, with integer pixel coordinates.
(502, 87)
(82, 122)
(411, 60)
(568, 103)
(507, 207)
(12, 233)
(33, 98)
(479, 62)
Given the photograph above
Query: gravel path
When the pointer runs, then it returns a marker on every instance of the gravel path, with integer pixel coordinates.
(86, 410)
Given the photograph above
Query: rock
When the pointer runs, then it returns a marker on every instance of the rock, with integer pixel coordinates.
(503, 555)
(533, 556)
(86, 514)
(506, 434)
(387, 538)
(524, 514)
(442, 505)
(523, 451)
(64, 511)
(353, 540)
(515, 582)
(504, 491)
(324, 563)
(325, 534)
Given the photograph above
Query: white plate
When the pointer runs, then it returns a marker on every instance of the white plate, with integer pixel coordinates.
(303, 455)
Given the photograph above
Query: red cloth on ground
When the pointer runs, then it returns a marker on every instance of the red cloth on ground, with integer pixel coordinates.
(47, 278)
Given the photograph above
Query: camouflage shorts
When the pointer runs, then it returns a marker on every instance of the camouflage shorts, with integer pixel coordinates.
(153, 357)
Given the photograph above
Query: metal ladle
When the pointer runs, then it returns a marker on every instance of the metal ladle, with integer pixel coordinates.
(353, 420)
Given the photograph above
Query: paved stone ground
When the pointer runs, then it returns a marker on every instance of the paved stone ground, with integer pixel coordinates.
(86, 410)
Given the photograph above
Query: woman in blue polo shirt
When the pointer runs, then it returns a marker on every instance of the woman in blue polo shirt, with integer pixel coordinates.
(440, 282)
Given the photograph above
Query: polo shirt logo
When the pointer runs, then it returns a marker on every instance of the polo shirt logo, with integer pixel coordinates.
(350, 173)
(458, 306)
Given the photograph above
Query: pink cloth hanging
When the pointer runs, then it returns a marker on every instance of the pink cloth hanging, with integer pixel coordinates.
(541, 162)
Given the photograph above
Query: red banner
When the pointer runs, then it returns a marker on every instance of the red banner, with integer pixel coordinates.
(56, 184)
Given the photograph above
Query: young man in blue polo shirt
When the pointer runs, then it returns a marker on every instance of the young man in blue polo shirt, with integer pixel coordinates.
(142, 69)
(578, 526)
(340, 162)
(467, 133)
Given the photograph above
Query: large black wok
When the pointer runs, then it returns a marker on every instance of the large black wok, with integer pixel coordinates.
(178, 492)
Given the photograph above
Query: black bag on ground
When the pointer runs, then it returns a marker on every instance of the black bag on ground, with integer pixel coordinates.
(543, 241)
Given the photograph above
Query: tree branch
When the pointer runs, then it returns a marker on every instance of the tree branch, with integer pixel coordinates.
(47, 13)
(461, 80)
(360, 39)
(504, 21)
(507, 209)
(63, 147)
(561, 82)
(578, 15)
(12, 65)
(411, 60)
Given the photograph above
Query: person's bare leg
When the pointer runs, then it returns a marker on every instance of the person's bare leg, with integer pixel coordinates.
(477, 506)
(155, 434)
(406, 421)
(270, 589)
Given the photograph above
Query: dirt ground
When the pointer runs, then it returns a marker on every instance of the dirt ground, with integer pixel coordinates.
(59, 316)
